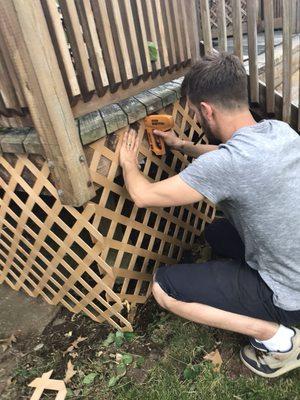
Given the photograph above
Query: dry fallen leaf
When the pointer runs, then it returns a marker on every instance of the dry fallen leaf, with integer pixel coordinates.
(74, 345)
(70, 372)
(215, 358)
(6, 343)
(119, 357)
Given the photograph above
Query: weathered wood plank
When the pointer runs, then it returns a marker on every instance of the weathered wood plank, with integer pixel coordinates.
(96, 102)
(79, 50)
(32, 143)
(120, 41)
(93, 45)
(91, 127)
(146, 62)
(60, 44)
(192, 25)
(287, 61)
(237, 29)
(11, 141)
(107, 41)
(221, 17)
(269, 58)
(167, 96)
(133, 108)
(150, 101)
(114, 117)
(174, 86)
(206, 27)
(252, 49)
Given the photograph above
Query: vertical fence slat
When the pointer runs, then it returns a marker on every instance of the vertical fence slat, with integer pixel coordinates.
(237, 28)
(93, 46)
(153, 35)
(78, 46)
(252, 48)
(174, 6)
(133, 35)
(192, 15)
(7, 92)
(58, 38)
(125, 65)
(206, 26)
(161, 34)
(12, 73)
(169, 34)
(287, 61)
(184, 33)
(221, 17)
(147, 67)
(107, 42)
(269, 40)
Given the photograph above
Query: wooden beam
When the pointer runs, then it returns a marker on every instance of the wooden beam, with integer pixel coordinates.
(237, 29)
(96, 102)
(205, 23)
(24, 30)
(222, 35)
(252, 48)
(193, 30)
(287, 61)
(269, 40)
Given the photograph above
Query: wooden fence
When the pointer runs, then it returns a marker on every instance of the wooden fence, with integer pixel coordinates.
(103, 50)
(226, 8)
(262, 96)
(60, 60)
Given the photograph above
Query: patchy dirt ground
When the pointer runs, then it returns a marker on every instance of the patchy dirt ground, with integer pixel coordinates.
(165, 358)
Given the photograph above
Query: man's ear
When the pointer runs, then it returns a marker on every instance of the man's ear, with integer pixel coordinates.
(206, 110)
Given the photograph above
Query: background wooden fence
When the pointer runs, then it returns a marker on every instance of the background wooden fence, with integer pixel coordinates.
(102, 49)
(261, 94)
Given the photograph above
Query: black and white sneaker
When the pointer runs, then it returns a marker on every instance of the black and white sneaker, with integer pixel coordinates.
(271, 364)
(257, 345)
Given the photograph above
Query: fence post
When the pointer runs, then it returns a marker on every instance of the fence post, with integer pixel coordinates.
(24, 35)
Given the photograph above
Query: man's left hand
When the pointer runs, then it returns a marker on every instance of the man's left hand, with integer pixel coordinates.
(129, 149)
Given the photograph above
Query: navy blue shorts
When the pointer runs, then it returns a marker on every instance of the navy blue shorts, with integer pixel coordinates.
(229, 284)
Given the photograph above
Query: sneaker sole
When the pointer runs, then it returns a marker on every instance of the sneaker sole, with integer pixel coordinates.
(279, 372)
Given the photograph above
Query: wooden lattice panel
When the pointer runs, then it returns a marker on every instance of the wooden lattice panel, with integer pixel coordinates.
(100, 256)
(228, 10)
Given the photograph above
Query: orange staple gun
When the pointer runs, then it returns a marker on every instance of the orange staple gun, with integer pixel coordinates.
(161, 122)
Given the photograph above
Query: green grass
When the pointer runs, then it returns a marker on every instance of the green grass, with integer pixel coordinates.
(161, 352)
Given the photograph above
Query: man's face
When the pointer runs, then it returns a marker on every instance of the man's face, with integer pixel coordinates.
(205, 125)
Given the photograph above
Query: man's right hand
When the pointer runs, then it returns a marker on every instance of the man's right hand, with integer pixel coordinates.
(170, 138)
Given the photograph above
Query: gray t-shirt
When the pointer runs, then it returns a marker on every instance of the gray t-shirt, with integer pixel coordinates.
(255, 179)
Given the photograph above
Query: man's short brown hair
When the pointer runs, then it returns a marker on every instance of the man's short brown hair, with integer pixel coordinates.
(219, 78)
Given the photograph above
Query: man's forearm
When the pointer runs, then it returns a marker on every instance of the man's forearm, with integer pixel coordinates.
(195, 150)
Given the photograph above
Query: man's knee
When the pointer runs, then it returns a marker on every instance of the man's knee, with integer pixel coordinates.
(159, 294)
(162, 298)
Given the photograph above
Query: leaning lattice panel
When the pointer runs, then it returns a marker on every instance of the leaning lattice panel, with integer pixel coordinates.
(98, 258)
